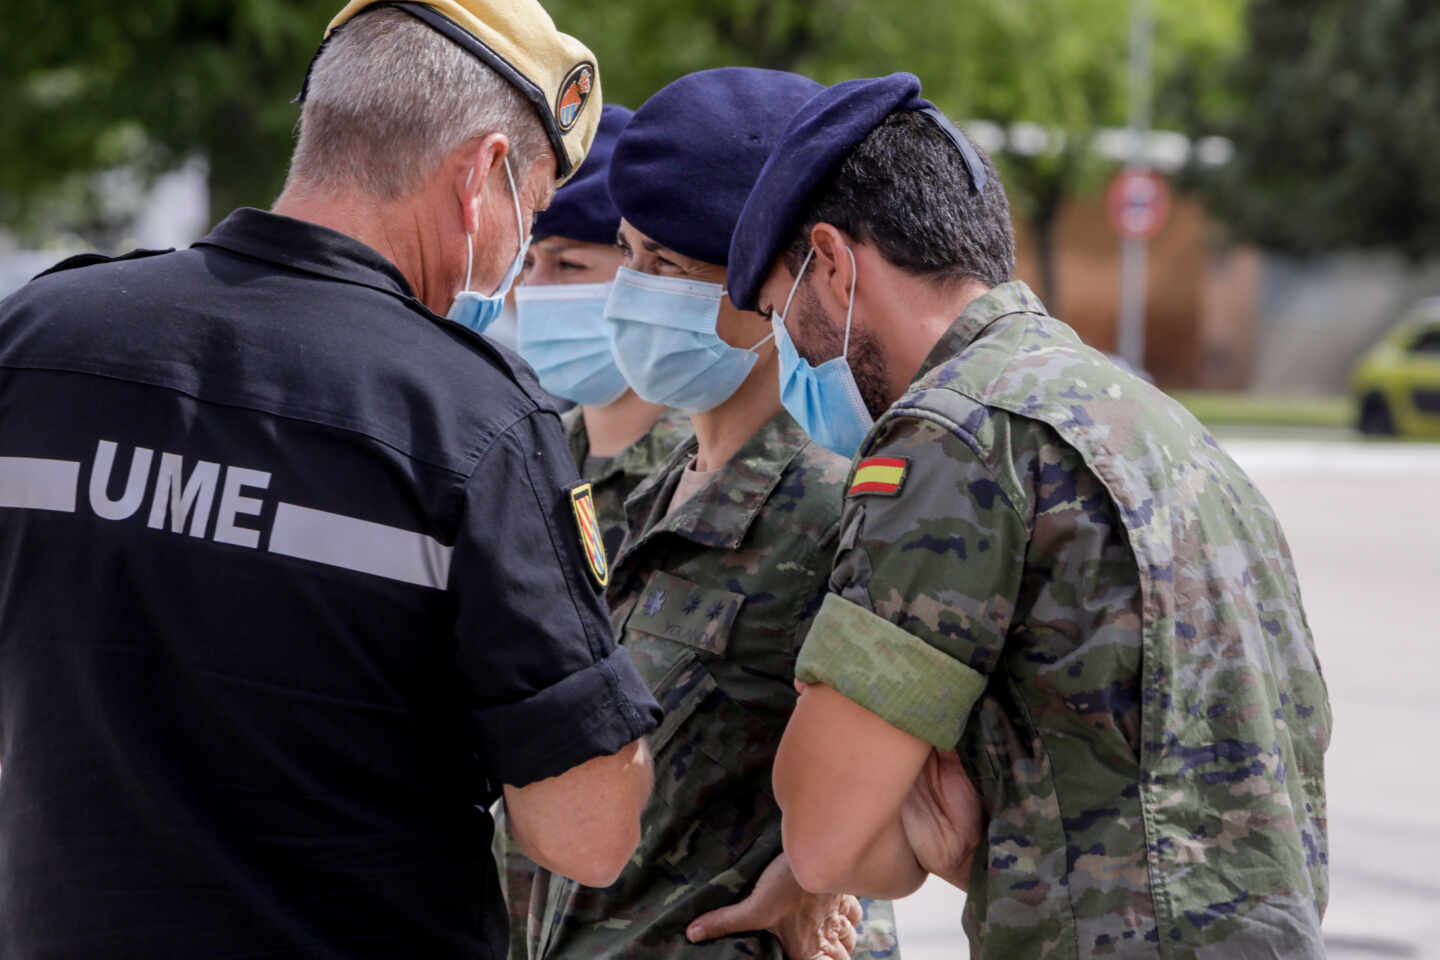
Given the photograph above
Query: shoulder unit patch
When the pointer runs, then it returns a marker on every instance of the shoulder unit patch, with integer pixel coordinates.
(882, 476)
(582, 503)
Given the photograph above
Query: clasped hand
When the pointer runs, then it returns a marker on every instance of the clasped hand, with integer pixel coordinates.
(943, 818)
(809, 926)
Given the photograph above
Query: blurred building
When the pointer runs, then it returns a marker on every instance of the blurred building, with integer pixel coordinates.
(171, 212)
(1227, 317)
(1219, 317)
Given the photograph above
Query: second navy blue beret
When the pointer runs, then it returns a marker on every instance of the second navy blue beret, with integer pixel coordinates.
(816, 141)
(582, 208)
(687, 160)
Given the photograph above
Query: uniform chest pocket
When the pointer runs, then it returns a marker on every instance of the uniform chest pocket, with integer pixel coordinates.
(675, 633)
(683, 612)
(685, 687)
(712, 825)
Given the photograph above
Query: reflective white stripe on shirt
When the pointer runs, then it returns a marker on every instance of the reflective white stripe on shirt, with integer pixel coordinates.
(33, 484)
(360, 545)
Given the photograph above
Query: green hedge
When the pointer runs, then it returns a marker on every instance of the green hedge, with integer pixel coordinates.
(1216, 408)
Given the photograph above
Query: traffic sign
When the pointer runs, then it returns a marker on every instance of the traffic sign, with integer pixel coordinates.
(1138, 203)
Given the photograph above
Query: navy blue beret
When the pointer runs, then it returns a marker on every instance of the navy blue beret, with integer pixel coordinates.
(816, 141)
(582, 209)
(687, 160)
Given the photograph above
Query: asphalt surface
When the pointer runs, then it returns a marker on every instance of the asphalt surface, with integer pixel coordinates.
(1363, 520)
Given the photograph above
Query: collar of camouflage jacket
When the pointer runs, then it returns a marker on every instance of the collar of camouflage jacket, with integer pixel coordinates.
(1001, 301)
(721, 514)
(639, 459)
(575, 434)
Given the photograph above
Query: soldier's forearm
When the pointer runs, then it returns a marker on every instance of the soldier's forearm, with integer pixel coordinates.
(841, 775)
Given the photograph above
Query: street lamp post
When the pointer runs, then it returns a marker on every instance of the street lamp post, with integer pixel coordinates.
(1133, 254)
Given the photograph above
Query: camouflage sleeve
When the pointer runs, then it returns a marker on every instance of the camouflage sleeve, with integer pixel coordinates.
(923, 587)
(517, 878)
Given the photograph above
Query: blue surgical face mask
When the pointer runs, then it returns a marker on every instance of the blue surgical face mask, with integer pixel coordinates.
(562, 333)
(502, 330)
(662, 333)
(475, 310)
(824, 400)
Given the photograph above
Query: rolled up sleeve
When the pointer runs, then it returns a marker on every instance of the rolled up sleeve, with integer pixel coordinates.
(923, 588)
(893, 674)
(590, 713)
(548, 687)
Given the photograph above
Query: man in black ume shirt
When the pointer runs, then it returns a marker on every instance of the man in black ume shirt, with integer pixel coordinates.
(293, 577)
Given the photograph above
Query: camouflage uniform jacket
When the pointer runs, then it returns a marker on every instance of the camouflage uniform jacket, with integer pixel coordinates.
(712, 602)
(613, 479)
(1077, 587)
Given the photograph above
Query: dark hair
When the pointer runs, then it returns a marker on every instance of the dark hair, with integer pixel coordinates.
(905, 190)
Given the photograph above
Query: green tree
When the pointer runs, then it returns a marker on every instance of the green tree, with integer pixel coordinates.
(147, 82)
(1341, 144)
(1063, 64)
(99, 84)
(1057, 63)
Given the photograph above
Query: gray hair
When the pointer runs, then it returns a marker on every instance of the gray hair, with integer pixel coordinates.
(389, 98)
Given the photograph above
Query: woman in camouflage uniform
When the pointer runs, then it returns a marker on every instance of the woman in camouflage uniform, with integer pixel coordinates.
(725, 563)
(616, 438)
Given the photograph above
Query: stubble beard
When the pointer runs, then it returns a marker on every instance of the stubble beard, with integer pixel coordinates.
(825, 341)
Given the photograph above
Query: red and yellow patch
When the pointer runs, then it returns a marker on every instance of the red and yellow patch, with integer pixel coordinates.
(582, 502)
(883, 476)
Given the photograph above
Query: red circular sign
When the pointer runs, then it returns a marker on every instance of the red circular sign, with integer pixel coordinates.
(1138, 203)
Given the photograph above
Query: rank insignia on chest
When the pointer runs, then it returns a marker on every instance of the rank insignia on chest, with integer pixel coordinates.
(882, 476)
(582, 502)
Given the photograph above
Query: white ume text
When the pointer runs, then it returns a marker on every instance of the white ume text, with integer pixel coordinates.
(181, 495)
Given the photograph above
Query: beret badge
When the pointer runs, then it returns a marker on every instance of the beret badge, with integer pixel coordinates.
(574, 94)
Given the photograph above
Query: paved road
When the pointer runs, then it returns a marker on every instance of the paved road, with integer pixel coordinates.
(1363, 520)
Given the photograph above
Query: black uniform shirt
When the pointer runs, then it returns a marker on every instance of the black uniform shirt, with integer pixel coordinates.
(290, 581)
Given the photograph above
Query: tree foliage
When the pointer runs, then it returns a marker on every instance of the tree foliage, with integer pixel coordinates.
(1340, 143)
(97, 84)
(147, 82)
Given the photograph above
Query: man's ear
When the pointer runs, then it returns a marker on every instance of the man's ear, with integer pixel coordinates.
(475, 163)
(834, 263)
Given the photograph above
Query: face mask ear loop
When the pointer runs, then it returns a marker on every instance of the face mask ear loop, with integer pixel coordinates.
(785, 314)
(519, 221)
(763, 340)
(515, 196)
(469, 259)
(469, 241)
(850, 310)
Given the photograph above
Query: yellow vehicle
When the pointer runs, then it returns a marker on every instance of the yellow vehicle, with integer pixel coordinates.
(1397, 384)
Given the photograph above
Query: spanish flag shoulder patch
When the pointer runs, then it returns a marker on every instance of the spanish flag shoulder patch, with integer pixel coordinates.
(882, 476)
(582, 502)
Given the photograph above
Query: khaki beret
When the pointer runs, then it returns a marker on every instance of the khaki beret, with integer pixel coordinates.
(518, 40)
